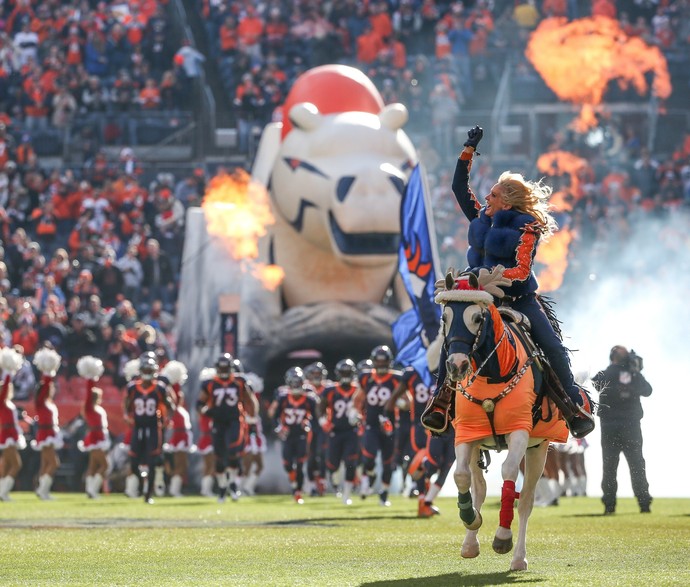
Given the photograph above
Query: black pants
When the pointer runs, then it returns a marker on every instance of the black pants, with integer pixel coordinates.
(625, 437)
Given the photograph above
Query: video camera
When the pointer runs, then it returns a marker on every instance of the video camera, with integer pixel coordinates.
(634, 362)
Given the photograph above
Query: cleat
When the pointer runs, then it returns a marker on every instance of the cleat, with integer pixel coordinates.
(383, 499)
(221, 499)
(149, 500)
(298, 497)
(347, 501)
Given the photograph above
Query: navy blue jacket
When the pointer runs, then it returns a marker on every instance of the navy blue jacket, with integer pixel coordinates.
(510, 238)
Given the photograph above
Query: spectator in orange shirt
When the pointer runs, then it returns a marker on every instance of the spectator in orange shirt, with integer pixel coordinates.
(276, 30)
(604, 8)
(228, 37)
(74, 46)
(380, 20)
(369, 45)
(552, 8)
(150, 95)
(249, 31)
(26, 336)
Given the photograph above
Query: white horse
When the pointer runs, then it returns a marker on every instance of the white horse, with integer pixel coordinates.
(495, 381)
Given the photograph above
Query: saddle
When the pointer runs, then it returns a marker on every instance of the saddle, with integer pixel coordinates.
(551, 387)
(440, 408)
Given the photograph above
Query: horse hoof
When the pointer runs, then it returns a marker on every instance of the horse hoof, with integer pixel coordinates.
(470, 550)
(477, 522)
(519, 565)
(502, 545)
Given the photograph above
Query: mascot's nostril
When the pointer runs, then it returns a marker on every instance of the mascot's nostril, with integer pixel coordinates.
(464, 366)
(343, 187)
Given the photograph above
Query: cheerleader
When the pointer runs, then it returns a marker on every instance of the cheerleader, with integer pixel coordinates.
(255, 447)
(130, 371)
(11, 436)
(97, 439)
(180, 443)
(204, 445)
(48, 436)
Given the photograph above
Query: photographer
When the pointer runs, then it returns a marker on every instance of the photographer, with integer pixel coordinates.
(620, 387)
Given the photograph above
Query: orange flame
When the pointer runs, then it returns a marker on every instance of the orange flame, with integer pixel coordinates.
(560, 163)
(578, 59)
(553, 254)
(238, 212)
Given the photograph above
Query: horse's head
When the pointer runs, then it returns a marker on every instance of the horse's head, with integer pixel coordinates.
(468, 319)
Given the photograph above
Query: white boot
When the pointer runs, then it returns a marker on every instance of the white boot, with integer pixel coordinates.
(97, 484)
(207, 486)
(176, 486)
(222, 479)
(555, 488)
(159, 482)
(45, 482)
(542, 493)
(88, 486)
(250, 483)
(6, 485)
(132, 486)
(409, 486)
(364, 488)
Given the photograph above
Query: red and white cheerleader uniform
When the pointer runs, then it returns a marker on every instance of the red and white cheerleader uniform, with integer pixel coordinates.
(10, 432)
(48, 428)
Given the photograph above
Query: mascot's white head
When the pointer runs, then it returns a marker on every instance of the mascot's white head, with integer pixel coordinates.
(342, 166)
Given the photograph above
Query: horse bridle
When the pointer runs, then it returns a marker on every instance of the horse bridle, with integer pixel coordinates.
(489, 404)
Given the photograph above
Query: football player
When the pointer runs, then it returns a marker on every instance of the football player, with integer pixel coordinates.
(339, 424)
(370, 401)
(412, 385)
(316, 375)
(439, 459)
(231, 404)
(146, 401)
(295, 411)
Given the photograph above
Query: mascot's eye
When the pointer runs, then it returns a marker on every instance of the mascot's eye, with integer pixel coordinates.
(296, 164)
(343, 188)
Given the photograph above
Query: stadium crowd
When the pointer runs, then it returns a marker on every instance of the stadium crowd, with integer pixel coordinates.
(90, 256)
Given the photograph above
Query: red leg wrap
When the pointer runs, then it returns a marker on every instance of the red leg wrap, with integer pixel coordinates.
(508, 497)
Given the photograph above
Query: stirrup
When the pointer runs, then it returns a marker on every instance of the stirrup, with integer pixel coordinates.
(436, 415)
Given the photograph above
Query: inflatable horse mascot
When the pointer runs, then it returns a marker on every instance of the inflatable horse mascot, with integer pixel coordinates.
(335, 169)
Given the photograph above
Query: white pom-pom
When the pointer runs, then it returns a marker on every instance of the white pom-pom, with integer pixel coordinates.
(256, 382)
(47, 361)
(90, 367)
(175, 372)
(207, 373)
(10, 360)
(353, 416)
(403, 403)
(131, 369)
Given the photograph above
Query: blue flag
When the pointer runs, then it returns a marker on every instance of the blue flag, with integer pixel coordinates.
(417, 265)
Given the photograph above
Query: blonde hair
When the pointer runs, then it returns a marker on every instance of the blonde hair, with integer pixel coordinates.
(529, 197)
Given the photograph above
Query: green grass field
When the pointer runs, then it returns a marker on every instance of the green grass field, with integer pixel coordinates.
(273, 541)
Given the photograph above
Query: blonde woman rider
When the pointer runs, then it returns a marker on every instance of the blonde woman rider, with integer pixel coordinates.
(506, 231)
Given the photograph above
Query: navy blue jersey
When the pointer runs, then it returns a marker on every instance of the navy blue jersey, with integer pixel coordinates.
(377, 391)
(338, 401)
(296, 411)
(146, 402)
(418, 390)
(224, 398)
